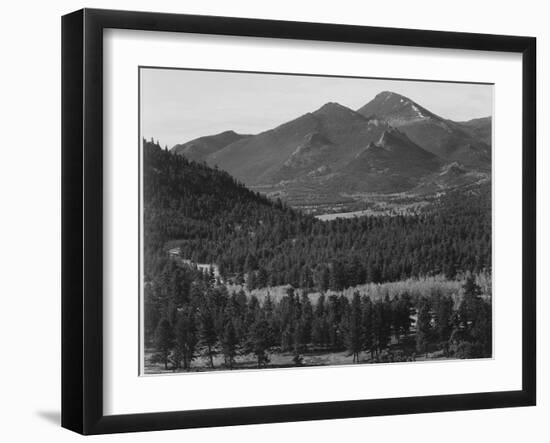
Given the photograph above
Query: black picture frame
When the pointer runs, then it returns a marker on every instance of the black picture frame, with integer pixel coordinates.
(82, 218)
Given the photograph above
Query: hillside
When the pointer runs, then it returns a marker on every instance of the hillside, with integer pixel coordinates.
(185, 199)
(394, 153)
(213, 218)
(200, 148)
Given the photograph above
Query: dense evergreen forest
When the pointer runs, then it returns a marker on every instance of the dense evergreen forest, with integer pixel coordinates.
(189, 317)
(214, 219)
(211, 218)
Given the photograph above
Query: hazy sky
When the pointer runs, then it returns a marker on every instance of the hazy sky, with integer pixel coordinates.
(179, 105)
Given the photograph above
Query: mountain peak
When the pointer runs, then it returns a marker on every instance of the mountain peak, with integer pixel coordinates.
(332, 108)
(395, 108)
(388, 94)
(332, 105)
(391, 134)
(393, 140)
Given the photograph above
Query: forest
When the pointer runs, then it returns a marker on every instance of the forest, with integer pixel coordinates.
(214, 219)
(193, 321)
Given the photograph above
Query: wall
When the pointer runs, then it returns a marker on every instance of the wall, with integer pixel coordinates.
(30, 189)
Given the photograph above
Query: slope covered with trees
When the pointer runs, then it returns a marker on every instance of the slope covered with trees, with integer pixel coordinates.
(214, 219)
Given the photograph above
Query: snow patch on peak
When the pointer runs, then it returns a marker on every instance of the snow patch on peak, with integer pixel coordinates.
(415, 109)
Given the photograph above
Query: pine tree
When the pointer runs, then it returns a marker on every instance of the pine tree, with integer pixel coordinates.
(381, 323)
(229, 343)
(354, 327)
(268, 310)
(481, 330)
(186, 337)
(151, 312)
(423, 327)
(335, 309)
(164, 340)
(401, 307)
(208, 333)
(337, 276)
(258, 340)
(319, 327)
(299, 339)
(367, 325)
(251, 281)
(444, 315)
(469, 304)
(306, 318)
(252, 311)
(261, 278)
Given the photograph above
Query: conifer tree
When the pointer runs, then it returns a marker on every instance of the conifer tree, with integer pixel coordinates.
(208, 333)
(164, 340)
(186, 337)
(443, 318)
(423, 327)
(258, 341)
(367, 325)
(319, 326)
(354, 327)
(229, 343)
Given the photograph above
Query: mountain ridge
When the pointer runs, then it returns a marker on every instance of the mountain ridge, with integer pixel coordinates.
(447, 139)
(388, 145)
(200, 148)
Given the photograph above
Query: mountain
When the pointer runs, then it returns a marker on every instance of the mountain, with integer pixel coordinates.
(390, 145)
(327, 138)
(395, 153)
(447, 139)
(200, 148)
(396, 109)
(393, 163)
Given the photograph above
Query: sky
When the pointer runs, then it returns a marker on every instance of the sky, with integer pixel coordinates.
(180, 105)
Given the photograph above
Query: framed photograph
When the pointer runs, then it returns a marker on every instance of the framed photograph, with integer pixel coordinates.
(269, 221)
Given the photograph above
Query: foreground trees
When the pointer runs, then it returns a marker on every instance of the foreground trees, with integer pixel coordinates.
(186, 338)
(354, 327)
(164, 340)
(211, 323)
(229, 343)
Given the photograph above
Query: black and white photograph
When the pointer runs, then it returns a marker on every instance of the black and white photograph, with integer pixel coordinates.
(267, 222)
(303, 220)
